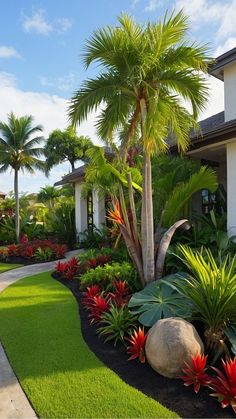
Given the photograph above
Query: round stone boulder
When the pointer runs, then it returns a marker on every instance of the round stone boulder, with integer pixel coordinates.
(171, 342)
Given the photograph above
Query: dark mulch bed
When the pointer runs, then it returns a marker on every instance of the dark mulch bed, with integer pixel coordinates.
(169, 392)
(24, 261)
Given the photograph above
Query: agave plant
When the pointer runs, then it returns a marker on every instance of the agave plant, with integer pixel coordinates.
(211, 290)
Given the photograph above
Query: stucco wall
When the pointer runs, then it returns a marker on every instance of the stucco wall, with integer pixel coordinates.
(231, 188)
(230, 91)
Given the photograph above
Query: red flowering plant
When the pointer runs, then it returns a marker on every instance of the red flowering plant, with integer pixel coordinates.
(121, 293)
(68, 269)
(99, 304)
(12, 250)
(195, 372)
(61, 267)
(88, 295)
(24, 239)
(224, 384)
(99, 260)
(137, 342)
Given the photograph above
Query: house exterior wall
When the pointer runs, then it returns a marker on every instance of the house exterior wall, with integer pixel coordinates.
(231, 188)
(81, 209)
(230, 91)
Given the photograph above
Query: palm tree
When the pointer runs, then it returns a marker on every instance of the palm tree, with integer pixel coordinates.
(48, 194)
(19, 151)
(147, 72)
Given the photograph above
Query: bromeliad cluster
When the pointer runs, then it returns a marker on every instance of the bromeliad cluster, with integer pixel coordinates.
(115, 321)
(223, 383)
(37, 250)
(68, 270)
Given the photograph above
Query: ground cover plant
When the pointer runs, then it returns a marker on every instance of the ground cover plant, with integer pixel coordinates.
(69, 381)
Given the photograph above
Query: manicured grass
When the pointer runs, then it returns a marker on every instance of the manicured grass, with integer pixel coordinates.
(40, 331)
(8, 266)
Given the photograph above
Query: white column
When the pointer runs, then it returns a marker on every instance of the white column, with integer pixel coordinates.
(99, 212)
(80, 209)
(230, 91)
(231, 188)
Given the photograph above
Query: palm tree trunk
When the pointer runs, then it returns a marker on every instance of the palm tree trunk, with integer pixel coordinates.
(147, 227)
(17, 214)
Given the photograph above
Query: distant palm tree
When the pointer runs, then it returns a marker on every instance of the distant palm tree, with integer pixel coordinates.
(146, 74)
(48, 194)
(20, 151)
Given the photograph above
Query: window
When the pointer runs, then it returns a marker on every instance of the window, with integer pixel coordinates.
(209, 201)
(90, 211)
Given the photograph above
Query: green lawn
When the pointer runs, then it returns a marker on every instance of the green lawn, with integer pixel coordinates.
(40, 331)
(8, 266)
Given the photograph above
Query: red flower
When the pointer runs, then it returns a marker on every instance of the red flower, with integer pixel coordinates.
(12, 250)
(24, 239)
(137, 341)
(99, 305)
(224, 385)
(61, 267)
(89, 294)
(116, 214)
(59, 250)
(195, 372)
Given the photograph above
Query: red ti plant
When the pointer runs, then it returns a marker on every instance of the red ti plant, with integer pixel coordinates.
(224, 384)
(89, 294)
(137, 347)
(195, 372)
(99, 305)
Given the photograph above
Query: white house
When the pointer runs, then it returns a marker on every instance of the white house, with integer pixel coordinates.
(215, 145)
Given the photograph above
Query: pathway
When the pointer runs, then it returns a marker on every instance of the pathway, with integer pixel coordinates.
(13, 401)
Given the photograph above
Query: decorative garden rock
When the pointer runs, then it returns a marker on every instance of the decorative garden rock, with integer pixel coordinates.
(171, 342)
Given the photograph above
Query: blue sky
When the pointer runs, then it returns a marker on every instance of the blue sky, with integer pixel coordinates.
(40, 55)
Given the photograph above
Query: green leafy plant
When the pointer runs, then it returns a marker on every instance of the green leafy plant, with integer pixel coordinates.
(116, 322)
(157, 301)
(62, 220)
(107, 274)
(211, 290)
(43, 255)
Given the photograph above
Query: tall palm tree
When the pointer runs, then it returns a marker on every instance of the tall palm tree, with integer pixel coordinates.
(146, 74)
(48, 194)
(19, 151)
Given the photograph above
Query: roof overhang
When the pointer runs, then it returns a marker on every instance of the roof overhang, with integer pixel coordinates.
(217, 69)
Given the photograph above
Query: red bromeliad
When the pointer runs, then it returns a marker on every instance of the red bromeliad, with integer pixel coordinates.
(121, 293)
(195, 372)
(61, 267)
(137, 348)
(224, 385)
(99, 305)
(89, 294)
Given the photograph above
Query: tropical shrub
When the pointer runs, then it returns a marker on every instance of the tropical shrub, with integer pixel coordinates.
(99, 260)
(210, 289)
(137, 341)
(94, 238)
(116, 322)
(43, 255)
(62, 221)
(157, 300)
(107, 274)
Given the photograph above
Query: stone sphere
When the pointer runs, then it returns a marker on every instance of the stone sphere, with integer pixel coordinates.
(171, 342)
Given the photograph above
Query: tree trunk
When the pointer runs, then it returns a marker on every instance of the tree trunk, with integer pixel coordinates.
(17, 214)
(165, 243)
(147, 227)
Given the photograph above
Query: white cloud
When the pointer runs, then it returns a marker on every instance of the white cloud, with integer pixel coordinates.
(39, 23)
(226, 46)
(63, 24)
(222, 13)
(63, 83)
(49, 111)
(152, 5)
(8, 52)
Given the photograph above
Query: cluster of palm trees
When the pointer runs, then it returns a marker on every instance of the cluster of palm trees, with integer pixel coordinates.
(147, 74)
